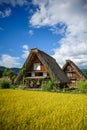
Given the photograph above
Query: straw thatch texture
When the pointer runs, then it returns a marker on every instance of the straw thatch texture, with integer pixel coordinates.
(54, 70)
(74, 66)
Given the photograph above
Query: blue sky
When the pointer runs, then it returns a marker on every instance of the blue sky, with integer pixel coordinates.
(57, 27)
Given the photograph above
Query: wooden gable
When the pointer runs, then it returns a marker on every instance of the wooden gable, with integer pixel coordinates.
(35, 60)
(35, 68)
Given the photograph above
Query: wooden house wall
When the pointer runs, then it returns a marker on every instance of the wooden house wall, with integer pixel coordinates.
(34, 83)
(33, 60)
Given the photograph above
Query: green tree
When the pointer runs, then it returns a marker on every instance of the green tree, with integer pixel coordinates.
(23, 73)
(4, 83)
(85, 73)
(47, 85)
(1, 73)
(5, 72)
(10, 74)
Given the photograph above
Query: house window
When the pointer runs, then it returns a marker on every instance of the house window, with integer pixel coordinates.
(37, 66)
(44, 74)
(73, 80)
(39, 74)
(33, 74)
(28, 74)
(69, 74)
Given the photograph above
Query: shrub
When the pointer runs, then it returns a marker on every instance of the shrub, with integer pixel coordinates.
(66, 89)
(75, 91)
(47, 85)
(14, 86)
(82, 86)
(22, 86)
(4, 83)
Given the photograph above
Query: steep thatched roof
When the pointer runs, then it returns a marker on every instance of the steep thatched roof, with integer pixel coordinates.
(50, 63)
(69, 62)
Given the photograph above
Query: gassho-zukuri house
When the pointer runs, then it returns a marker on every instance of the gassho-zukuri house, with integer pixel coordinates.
(73, 73)
(39, 66)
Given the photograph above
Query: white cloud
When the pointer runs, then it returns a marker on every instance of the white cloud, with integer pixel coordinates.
(14, 2)
(55, 11)
(5, 13)
(25, 47)
(71, 50)
(9, 61)
(58, 30)
(25, 51)
(31, 32)
(73, 15)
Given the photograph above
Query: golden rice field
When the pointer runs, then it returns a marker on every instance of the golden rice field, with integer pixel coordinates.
(35, 110)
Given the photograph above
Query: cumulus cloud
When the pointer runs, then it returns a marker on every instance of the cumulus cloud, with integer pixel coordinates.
(5, 13)
(71, 50)
(25, 51)
(60, 29)
(73, 15)
(14, 2)
(53, 12)
(9, 61)
(31, 32)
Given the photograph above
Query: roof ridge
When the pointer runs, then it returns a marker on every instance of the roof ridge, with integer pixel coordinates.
(47, 54)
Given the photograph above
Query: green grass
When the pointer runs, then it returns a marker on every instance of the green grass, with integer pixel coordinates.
(35, 110)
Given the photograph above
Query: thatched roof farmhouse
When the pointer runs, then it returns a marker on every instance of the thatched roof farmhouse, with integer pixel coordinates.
(40, 66)
(73, 72)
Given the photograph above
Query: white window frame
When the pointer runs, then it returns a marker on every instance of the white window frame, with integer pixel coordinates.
(45, 74)
(33, 74)
(73, 80)
(69, 74)
(37, 66)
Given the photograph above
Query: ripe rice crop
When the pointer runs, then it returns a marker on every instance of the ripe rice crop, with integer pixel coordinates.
(35, 110)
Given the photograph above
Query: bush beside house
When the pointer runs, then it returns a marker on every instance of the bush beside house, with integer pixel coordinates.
(4, 83)
(82, 86)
